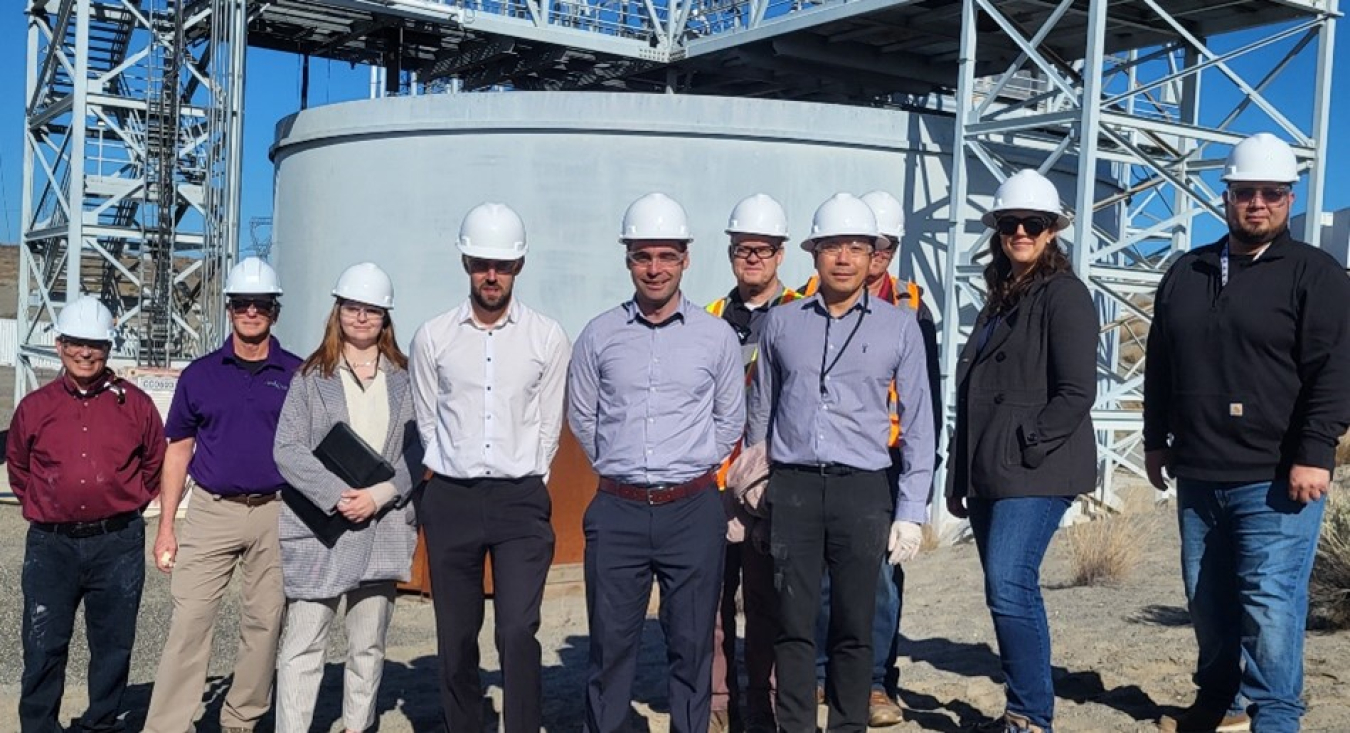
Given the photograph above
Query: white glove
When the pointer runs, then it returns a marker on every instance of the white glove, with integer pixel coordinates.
(735, 531)
(749, 472)
(906, 537)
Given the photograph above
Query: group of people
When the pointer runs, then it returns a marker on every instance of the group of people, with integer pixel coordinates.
(778, 441)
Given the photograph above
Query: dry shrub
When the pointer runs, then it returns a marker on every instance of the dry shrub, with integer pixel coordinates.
(1329, 588)
(1107, 549)
(1343, 450)
(932, 539)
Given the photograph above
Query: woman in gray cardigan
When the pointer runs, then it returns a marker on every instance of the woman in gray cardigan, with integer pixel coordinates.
(1023, 445)
(359, 377)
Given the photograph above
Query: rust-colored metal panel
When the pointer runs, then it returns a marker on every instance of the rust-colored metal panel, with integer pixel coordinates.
(571, 484)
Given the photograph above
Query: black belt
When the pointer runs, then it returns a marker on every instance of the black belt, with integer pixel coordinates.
(822, 469)
(80, 530)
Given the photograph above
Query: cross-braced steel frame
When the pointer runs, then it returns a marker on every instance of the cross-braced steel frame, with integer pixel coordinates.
(131, 171)
(1144, 152)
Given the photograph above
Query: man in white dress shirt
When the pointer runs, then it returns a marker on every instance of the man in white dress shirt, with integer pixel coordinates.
(488, 379)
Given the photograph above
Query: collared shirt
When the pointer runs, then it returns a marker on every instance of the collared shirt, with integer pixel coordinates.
(843, 417)
(489, 400)
(656, 403)
(232, 414)
(82, 456)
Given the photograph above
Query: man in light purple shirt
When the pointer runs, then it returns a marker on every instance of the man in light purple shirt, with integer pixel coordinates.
(819, 397)
(656, 398)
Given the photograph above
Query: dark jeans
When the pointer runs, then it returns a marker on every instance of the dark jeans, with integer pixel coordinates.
(885, 629)
(1012, 536)
(751, 570)
(681, 545)
(1246, 554)
(107, 573)
(839, 523)
(465, 521)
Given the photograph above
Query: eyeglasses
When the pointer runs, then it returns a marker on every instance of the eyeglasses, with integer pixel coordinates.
(503, 267)
(355, 310)
(261, 305)
(74, 344)
(852, 249)
(1032, 225)
(744, 252)
(646, 259)
(1268, 194)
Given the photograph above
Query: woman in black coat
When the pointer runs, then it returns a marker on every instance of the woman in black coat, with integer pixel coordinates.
(1024, 443)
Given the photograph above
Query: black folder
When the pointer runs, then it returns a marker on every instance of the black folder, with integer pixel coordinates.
(352, 460)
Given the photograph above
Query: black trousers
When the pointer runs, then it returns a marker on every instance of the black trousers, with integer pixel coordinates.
(681, 545)
(465, 520)
(106, 572)
(839, 522)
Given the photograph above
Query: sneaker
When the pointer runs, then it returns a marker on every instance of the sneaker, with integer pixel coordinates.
(1195, 719)
(1007, 723)
(719, 722)
(882, 710)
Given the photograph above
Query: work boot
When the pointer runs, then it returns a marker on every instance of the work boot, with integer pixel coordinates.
(1197, 719)
(820, 694)
(719, 722)
(882, 710)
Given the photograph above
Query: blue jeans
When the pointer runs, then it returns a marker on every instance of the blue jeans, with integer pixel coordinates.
(885, 629)
(1246, 554)
(1012, 536)
(107, 573)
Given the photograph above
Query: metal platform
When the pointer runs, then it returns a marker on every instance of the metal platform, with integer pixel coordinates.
(860, 51)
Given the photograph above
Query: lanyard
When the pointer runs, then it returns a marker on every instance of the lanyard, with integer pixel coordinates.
(825, 347)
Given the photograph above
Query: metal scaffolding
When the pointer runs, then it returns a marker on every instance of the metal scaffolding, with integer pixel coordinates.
(131, 171)
(1132, 130)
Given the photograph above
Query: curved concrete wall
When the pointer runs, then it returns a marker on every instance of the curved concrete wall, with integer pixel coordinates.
(389, 180)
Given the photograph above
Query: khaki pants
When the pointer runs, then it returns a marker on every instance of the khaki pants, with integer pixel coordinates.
(214, 538)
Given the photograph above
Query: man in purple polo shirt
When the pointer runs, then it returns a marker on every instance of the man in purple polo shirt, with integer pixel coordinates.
(221, 427)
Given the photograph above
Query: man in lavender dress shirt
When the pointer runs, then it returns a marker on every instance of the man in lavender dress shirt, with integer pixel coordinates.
(819, 398)
(656, 398)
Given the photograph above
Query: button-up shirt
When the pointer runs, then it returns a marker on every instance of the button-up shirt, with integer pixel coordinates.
(489, 399)
(842, 417)
(82, 456)
(656, 403)
(231, 411)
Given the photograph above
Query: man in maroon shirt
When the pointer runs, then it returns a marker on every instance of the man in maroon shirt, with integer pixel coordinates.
(84, 459)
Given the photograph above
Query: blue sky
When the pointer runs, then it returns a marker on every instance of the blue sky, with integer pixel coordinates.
(273, 91)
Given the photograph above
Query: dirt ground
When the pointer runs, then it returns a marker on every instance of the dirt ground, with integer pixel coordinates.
(1122, 653)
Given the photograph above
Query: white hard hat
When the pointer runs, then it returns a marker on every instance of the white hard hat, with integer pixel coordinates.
(759, 214)
(252, 276)
(86, 318)
(844, 214)
(1261, 157)
(890, 215)
(655, 216)
(366, 283)
(492, 232)
(1030, 191)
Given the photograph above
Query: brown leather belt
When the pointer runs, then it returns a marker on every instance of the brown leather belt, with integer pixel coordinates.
(657, 494)
(249, 499)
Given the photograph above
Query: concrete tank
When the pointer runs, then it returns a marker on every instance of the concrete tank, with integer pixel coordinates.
(388, 180)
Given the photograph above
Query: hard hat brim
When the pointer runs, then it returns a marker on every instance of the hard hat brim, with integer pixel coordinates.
(485, 253)
(880, 243)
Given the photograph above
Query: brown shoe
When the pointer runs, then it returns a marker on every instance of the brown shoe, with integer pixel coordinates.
(719, 722)
(882, 710)
(1196, 719)
(820, 695)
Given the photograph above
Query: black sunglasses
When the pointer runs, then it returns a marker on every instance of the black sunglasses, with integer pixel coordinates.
(503, 267)
(262, 305)
(1032, 225)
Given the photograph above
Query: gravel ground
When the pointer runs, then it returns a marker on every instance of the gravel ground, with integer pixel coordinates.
(1123, 653)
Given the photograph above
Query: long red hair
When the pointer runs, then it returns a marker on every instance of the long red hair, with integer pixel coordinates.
(329, 354)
